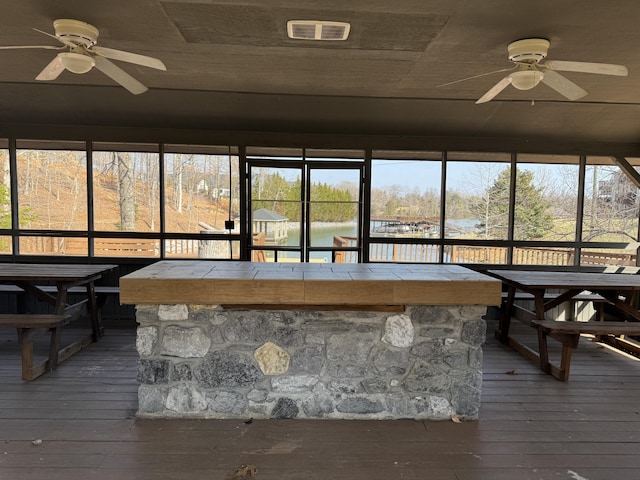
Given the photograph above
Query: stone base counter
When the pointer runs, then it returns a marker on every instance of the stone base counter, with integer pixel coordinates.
(257, 340)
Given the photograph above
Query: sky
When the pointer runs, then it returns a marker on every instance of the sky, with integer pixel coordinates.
(420, 175)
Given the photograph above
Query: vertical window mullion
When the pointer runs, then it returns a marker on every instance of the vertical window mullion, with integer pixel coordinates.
(512, 207)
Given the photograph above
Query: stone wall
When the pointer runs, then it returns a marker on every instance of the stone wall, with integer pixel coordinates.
(208, 362)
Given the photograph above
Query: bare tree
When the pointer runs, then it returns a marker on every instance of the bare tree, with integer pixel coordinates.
(126, 190)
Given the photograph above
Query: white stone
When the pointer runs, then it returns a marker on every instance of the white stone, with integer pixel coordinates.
(173, 312)
(272, 359)
(146, 340)
(450, 341)
(398, 331)
(185, 399)
(185, 342)
(296, 384)
(440, 408)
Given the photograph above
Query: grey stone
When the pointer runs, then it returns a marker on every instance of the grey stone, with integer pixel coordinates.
(433, 315)
(467, 376)
(201, 314)
(308, 359)
(257, 395)
(226, 369)
(475, 357)
(399, 406)
(153, 371)
(151, 399)
(294, 384)
(289, 337)
(230, 402)
(250, 327)
(427, 378)
(218, 318)
(342, 370)
(146, 314)
(391, 362)
(438, 332)
(285, 408)
(146, 340)
(318, 407)
(398, 331)
(185, 398)
(284, 317)
(344, 386)
(457, 357)
(347, 354)
(181, 372)
(474, 332)
(185, 342)
(173, 312)
(465, 400)
(258, 410)
(429, 349)
(215, 335)
(315, 338)
(470, 312)
(359, 405)
(375, 385)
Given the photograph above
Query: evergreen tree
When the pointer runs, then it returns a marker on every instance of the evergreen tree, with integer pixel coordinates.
(532, 216)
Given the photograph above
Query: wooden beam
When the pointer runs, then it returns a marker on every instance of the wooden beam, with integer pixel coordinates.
(628, 170)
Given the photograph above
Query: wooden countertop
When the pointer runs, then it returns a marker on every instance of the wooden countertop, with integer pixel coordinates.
(248, 283)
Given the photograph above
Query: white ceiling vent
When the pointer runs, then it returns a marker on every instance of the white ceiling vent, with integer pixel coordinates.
(317, 30)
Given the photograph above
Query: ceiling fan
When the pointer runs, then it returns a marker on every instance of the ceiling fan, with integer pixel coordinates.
(81, 54)
(528, 71)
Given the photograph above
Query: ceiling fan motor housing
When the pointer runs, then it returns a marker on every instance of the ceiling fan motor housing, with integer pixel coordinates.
(75, 31)
(528, 50)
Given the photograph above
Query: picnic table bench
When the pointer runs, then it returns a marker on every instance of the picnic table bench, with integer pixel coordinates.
(568, 334)
(25, 324)
(52, 284)
(616, 290)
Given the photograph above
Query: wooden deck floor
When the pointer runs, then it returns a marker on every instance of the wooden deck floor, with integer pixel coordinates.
(532, 427)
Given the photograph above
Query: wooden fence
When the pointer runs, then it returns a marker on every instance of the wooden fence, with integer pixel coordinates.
(403, 252)
(379, 252)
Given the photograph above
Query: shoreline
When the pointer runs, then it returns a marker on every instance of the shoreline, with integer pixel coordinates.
(296, 225)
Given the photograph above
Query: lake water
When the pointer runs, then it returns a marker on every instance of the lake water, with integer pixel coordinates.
(322, 236)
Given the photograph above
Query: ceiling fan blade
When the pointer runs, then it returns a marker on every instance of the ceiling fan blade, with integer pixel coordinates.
(52, 70)
(588, 67)
(48, 47)
(114, 72)
(129, 57)
(60, 39)
(476, 76)
(495, 90)
(563, 85)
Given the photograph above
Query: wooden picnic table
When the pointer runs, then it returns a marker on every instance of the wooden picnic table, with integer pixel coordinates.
(616, 289)
(33, 279)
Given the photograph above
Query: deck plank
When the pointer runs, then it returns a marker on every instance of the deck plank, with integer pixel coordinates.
(531, 427)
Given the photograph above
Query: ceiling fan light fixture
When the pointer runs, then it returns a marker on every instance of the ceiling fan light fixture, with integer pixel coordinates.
(78, 32)
(76, 62)
(318, 30)
(526, 79)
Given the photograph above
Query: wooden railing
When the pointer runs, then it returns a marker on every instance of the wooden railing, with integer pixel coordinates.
(389, 252)
(379, 252)
(78, 246)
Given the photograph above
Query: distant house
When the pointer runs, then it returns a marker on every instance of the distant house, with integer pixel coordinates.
(204, 186)
(273, 225)
(618, 190)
